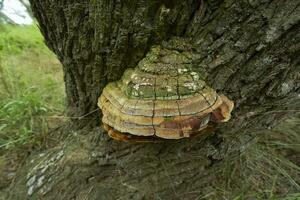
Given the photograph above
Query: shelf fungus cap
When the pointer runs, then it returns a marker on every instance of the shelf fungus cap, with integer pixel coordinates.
(163, 97)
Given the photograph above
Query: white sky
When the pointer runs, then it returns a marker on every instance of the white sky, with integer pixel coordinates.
(16, 12)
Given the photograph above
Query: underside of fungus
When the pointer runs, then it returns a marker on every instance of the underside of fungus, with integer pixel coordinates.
(163, 97)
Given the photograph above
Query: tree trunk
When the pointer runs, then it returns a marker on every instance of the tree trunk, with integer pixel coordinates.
(247, 49)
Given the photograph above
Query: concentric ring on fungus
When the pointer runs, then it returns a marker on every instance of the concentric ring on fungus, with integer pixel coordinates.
(162, 98)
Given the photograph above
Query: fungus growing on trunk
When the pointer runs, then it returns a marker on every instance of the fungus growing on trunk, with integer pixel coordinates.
(162, 98)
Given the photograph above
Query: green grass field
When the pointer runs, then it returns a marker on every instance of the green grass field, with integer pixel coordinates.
(31, 86)
(32, 99)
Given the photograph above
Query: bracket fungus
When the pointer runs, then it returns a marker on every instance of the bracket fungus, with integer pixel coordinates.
(162, 98)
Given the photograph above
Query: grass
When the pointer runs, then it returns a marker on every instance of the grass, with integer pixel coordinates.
(269, 169)
(17, 39)
(31, 86)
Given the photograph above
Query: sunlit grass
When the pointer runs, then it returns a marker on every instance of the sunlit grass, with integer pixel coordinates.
(17, 39)
(31, 86)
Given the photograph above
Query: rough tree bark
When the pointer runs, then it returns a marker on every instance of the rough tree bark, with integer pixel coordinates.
(248, 49)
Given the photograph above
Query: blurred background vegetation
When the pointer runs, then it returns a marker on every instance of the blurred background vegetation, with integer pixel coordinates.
(31, 85)
(32, 105)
